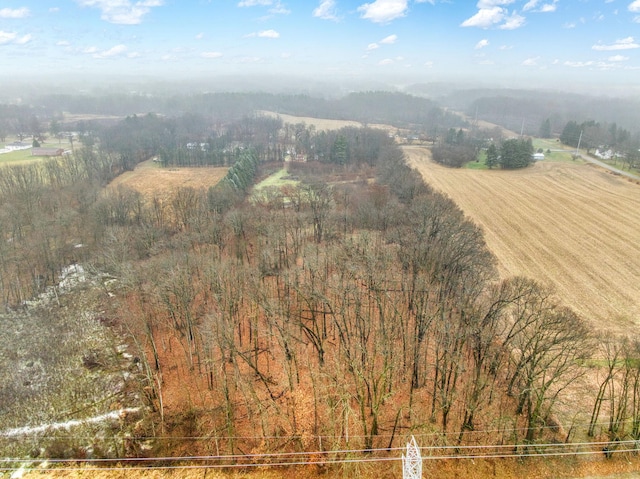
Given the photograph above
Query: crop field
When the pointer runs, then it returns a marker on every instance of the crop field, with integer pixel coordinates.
(323, 124)
(150, 179)
(569, 225)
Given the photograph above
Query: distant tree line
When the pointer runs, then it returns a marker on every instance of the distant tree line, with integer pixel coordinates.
(526, 110)
(459, 148)
(398, 109)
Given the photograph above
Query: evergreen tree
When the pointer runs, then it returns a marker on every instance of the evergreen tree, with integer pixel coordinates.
(340, 151)
(545, 129)
(570, 134)
(492, 156)
(516, 153)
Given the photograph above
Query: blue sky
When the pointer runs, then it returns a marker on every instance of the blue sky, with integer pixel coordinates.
(509, 42)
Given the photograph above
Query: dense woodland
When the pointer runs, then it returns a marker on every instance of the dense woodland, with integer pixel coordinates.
(340, 313)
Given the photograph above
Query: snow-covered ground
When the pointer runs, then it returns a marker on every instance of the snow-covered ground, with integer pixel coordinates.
(68, 382)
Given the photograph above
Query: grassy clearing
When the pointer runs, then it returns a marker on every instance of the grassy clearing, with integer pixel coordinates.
(554, 150)
(277, 179)
(272, 183)
(25, 156)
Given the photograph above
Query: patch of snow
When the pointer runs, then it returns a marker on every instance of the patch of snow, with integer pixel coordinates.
(29, 430)
(18, 473)
(71, 276)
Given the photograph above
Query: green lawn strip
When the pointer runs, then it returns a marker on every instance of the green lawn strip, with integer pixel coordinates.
(20, 156)
(277, 179)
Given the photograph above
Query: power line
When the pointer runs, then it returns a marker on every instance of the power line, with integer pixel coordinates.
(539, 450)
(320, 463)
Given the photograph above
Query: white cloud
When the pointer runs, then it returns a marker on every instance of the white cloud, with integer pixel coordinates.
(492, 13)
(548, 7)
(512, 22)
(372, 46)
(389, 40)
(12, 38)
(264, 34)
(279, 9)
(618, 58)
(622, 44)
(6, 37)
(200, 36)
(111, 52)
(122, 12)
(268, 34)
(14, 12)
(63, 43)
(634, 6)
(326, 10)
(481, 44)
(211, 54)
(24, 39)
(386, 61)
(532, 5)
(485, 18)
(253, 3)
(531, 62)
(383, 11)
(492, 3)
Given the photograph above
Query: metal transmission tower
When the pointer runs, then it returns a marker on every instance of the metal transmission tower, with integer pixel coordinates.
(412, 462)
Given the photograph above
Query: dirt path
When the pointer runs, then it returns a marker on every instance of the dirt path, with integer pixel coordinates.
(572, 226)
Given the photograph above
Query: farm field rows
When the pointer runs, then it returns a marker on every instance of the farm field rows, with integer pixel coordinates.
(571, 226)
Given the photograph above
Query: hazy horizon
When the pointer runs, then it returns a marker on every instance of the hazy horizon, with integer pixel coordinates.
(584, 46)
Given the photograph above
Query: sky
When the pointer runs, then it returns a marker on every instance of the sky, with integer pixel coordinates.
(509, 43)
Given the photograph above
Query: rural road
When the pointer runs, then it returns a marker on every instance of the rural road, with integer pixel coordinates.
(602, 164)
(609, 167)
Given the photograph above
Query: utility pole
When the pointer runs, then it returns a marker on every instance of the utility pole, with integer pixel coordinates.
(579, 140)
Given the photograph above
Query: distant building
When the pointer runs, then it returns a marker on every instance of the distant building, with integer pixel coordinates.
(538, 156)
(47, 152)
(604, 154)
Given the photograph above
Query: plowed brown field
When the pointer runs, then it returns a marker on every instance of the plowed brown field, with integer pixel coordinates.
(152, 180)
(571, 226)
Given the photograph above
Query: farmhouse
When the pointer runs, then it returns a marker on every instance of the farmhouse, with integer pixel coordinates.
(538, 156)
(47, 152)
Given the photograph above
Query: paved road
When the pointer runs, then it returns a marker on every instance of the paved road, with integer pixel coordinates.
(609, 167)
(606, 166)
